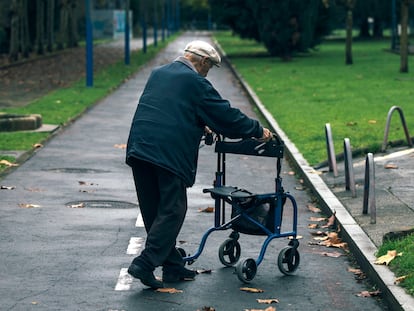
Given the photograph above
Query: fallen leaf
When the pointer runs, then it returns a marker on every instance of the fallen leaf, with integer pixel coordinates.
(251, 290)
(209, 209)
(313, 208)
(8, 163)
(28, 205)
(85, 183)
(7, 187)
(332, 254)
(313, 226)
(331, 221)
(317, 218)
(34, 189)
(291, 173)
(366, 293)
(300, 188)
(202, 271)
(169, 290)
(87, 191)
(400, 279)
(80, 205)
(386, 259)
(372, 121)
(37, 146)
(120, 146)
(391, 166)
(268, 301)
(267, 309)
(318, 233)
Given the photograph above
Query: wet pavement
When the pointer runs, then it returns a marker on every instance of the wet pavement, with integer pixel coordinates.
(70, 225)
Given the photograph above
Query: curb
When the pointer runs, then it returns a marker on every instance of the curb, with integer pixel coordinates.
(359, 243)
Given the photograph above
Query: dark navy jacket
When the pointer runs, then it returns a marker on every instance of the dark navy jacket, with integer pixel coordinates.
(169, 121)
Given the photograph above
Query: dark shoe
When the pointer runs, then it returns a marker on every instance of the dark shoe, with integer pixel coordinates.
(176, 274)
(146, 276)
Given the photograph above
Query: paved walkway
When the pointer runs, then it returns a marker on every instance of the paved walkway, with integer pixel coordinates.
(69, 225)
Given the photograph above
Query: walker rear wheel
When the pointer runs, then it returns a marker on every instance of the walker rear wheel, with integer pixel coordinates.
(288, 260)
(229, 252)
(246, 270)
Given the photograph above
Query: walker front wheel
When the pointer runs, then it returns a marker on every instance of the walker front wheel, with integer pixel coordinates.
(229, 252)
(288, 260)
(246, 270)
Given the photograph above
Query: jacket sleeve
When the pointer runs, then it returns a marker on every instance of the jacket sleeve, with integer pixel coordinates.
(217, 113)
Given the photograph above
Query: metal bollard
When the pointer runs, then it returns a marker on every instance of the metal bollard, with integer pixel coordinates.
(349, 168)
(331, 150)
(387, 127)
(369, 188)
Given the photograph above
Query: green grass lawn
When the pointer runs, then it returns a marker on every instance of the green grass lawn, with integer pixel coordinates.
(403, 266)
(318, 88)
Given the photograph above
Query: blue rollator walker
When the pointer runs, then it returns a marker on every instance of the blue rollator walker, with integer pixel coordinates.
(255, 214)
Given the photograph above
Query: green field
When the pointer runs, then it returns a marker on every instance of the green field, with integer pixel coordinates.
(318, 88)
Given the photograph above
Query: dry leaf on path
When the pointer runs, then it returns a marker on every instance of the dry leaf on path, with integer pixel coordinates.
(331, 221)
(313, 208)
(7, 187)
(268, 301)
(317, 219)
(366, 293)
(80, 205)
(332, 254)
(313, 226)
(251, 290)
(267, 309)
(386, 259)
(169, 290)
(28, 205)
(120, 146)
(391, 166)
(209, 209)
(8, 163)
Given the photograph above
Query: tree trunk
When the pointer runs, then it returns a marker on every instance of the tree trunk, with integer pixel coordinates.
(14, 30)
(63, 24)
(348, 48)
(26, 45)
(50, 23)
(73, 36)
(404, 36)
(40, 19)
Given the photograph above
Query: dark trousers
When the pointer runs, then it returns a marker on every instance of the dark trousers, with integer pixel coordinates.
(162, 198)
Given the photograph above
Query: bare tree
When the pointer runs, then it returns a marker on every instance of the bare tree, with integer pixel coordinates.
(50, 25)
(19, 30)
(40, 28)
(404, 36)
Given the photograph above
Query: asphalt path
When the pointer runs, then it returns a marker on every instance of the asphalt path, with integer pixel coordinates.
(70, 226)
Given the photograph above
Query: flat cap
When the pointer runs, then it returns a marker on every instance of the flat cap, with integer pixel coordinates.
(203, 49)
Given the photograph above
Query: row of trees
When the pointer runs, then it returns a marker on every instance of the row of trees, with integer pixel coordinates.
(41, 26)
(284, 26)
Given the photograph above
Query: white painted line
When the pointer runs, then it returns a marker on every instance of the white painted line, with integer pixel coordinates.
(139, 223)
(135, 245)
(124, 280)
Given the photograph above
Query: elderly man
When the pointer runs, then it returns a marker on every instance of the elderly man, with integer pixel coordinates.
(176, 106)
